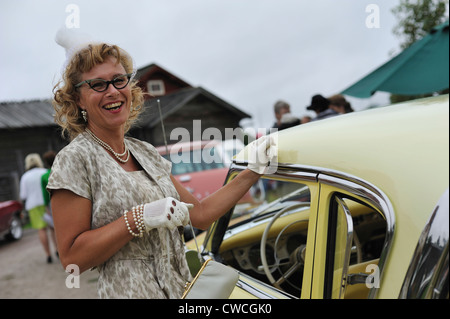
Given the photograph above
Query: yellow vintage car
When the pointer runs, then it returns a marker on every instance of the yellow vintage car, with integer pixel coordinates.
(357, 208)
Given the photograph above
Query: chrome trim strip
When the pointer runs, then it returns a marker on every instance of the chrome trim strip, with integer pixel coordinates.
(348, 246)
(308, 173)
(427, 274)
(258, 292)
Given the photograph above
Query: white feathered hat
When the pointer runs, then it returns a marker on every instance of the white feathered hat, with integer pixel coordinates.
(73, 40)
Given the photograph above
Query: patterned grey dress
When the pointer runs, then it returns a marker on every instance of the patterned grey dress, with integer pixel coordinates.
(140, 269)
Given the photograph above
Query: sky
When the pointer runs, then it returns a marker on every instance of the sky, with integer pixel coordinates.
(250, 53)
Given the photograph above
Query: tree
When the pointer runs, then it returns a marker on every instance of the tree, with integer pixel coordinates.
(416, 19)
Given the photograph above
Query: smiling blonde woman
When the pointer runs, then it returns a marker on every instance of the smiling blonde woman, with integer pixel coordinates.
(116, 206)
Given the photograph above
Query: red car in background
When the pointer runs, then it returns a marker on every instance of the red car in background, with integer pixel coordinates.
(10, 220)
(201, 166)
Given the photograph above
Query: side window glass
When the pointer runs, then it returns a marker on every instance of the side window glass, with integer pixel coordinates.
(196, 160)
(356, 234)
(267, 235)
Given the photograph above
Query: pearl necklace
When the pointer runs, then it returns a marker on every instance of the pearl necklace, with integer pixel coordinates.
(109, 148)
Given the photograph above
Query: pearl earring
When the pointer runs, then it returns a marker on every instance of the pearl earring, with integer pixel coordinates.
(84, 114)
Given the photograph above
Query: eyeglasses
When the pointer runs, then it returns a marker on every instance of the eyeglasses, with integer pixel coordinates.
(100, 85)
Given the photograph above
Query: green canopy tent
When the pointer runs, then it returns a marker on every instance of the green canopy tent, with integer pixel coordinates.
(420, 69)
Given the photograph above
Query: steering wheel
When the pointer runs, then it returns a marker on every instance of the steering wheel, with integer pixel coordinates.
(297, 257)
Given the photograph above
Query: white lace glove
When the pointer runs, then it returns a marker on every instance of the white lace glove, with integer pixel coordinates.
(261, 153)
(167, 212)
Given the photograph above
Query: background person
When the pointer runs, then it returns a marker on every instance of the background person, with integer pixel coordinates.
(320, 105)
(305, 119)
(31, 193)
(48, 159)
(288, 120)
(340, 104)
(280, 108)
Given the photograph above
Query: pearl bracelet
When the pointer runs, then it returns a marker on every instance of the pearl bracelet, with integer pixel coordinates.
(138, 218)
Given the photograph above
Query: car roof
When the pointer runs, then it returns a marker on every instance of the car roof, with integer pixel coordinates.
(393, 140)
(194, 145)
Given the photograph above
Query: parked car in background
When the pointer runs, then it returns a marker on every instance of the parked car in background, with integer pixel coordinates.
(201, 166)
(10, 220)
(357, 208)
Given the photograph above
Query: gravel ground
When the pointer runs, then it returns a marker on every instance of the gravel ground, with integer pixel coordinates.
(24, 273)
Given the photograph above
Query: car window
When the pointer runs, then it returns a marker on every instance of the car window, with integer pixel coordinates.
(195, 161)
(356, 234)
(267, 237)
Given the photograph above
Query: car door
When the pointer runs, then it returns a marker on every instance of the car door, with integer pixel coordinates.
(352, 238)
(339, 240)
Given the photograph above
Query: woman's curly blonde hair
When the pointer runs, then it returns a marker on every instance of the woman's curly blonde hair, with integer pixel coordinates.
(68, 114)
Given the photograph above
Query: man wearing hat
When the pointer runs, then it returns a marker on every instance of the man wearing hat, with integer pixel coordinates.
(320, 105)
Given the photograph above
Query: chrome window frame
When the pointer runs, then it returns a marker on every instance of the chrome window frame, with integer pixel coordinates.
(374, 196)
(344, 181)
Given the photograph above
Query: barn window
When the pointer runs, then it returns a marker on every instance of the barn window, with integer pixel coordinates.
(156, 87)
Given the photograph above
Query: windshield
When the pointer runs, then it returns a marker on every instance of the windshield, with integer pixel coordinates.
(194, 161)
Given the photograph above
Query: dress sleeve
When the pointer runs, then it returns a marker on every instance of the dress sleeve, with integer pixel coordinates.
(165, 164)
(69, 171)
